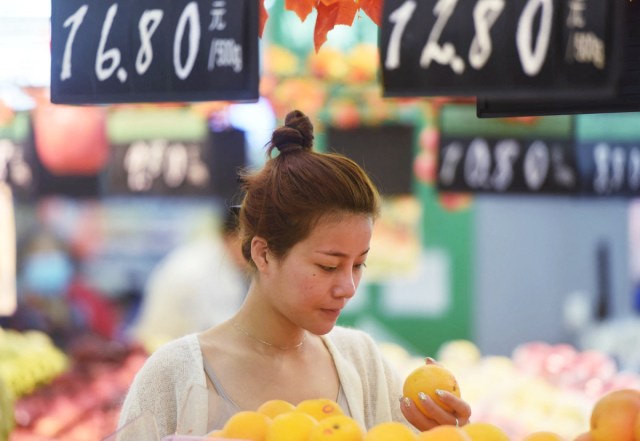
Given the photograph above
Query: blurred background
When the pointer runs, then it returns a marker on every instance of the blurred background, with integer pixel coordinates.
(114, 224)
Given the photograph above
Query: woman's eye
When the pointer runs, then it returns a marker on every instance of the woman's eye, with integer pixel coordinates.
(328, 268)
(360, 265)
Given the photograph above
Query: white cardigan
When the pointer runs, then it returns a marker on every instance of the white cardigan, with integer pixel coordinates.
(371, 386)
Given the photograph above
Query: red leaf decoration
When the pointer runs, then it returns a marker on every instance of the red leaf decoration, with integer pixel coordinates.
(338, 12)
(347, 12)
(262, 18)
(325, 21)
(302, 8)
(373, 8)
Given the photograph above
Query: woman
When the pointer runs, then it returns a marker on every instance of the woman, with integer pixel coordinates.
(306, 222)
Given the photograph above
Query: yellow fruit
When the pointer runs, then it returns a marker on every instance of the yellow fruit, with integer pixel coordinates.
(543, 435)
(614, 415)
(428, 378)
(247, 425)
(444, 433)
(482, 431)
(319, 408)
(586, 436)
(337, 428)
(273, 408)
(215, 434)
(390, 431)
(291, 426)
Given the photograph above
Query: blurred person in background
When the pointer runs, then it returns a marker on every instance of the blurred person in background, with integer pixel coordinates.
(54, 296)
(197, 285)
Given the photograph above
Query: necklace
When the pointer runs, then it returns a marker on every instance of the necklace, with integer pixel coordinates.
(266, 343)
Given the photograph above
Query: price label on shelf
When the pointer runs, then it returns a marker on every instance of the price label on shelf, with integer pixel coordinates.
(500, 47)
(507, 165)
(610, 168)
(8, 296)
(15, 170)
(153, 51)
(159, 166)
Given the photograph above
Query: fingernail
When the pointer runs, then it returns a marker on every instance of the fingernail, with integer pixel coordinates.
(405, 401)
(422, 396)
(440, 392)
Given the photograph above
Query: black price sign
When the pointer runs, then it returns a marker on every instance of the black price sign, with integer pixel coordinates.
(507, 165)
(159, 167)
(154, 50)
(609, 168)
(15, 170)
(499, 47)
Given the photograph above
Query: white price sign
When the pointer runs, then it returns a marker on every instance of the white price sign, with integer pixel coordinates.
(8, 302)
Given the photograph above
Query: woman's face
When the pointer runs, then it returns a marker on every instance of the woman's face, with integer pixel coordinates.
(315, 280)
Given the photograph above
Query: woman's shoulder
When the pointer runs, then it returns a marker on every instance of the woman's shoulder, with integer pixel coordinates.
(175, 354)
(351, 339)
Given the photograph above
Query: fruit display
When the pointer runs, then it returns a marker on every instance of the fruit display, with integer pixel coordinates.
(83, 402)
(542, 392)
(6, 408)
(28, 360)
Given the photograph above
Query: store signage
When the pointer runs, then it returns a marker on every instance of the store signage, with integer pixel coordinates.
(609, 168)
(500, 47)
(153, 50)
(506, 165)
(8, 294)
(159, 167)
(174, 167)
(15, 170)
(626, 97)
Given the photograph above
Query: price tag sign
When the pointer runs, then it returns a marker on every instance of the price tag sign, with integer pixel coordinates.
(505, 156)
(610, 168)
(15, 169)
(17, 157)
(153, 51)
(8, 293)
(500, 47)
(507, 165)
(608, 154)
(159, 167)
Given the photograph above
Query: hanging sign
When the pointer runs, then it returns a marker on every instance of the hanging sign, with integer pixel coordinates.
(15, 170)
(505, 156)
(153, 51)
(610, 168)
(507, 165)
(17, 157)
(159, 167)
(500, 47)
(608, 154)
(8, 302)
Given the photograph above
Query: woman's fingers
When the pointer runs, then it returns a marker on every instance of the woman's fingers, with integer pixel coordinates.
(411, 412)
(460, 408)
(434, 414)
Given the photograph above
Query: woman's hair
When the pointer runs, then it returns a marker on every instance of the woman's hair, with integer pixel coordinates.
(284, 200)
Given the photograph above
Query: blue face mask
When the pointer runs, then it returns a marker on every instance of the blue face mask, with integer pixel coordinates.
(47, 273)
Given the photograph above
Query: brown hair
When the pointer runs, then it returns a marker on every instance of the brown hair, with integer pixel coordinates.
(283, 201)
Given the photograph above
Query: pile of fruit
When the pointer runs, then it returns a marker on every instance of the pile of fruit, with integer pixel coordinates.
(28, 360)
(324, 419)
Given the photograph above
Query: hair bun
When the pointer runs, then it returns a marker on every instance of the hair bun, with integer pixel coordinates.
(295, 135)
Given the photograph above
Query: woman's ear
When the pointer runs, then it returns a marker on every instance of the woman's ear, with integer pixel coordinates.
(260, 253)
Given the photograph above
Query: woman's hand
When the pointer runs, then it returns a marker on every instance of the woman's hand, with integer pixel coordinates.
(459, 416)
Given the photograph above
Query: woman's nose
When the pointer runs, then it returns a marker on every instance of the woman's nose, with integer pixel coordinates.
(346, 284)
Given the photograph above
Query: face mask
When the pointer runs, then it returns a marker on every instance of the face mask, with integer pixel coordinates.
(46, 273)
